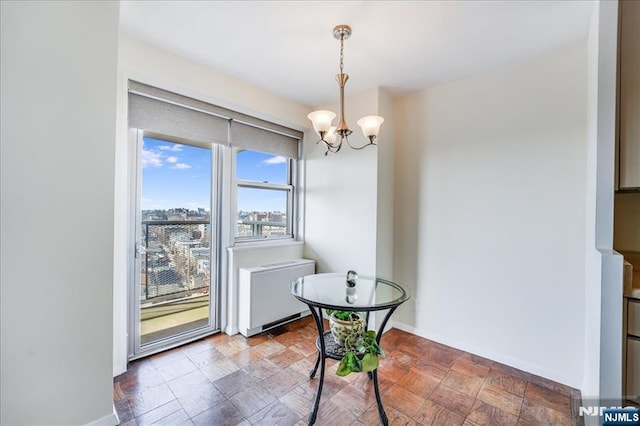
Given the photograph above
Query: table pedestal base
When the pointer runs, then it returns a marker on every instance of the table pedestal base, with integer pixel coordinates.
(328, 348)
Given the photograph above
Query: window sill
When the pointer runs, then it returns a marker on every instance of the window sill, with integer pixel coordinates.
(254, 245)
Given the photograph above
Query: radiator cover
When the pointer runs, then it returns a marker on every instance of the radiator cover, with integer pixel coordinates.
(264, 297)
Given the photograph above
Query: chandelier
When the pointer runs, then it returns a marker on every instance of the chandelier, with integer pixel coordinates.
(323, 119)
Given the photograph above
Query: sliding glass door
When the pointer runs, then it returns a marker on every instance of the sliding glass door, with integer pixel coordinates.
(174, 286)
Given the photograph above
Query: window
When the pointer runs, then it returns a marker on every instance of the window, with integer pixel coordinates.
(264, 195)
(265, 154)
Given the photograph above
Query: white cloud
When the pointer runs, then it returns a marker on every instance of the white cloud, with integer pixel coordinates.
(181, 166)
(175, 148)
(172, 159)
(152, 159)
(275, 160)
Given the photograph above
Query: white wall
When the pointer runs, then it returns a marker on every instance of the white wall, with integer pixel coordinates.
(152, 65)
(602, 372)
(342, 195)
(385, 187)
(145, 63)
(490, 226)
(59, 64)
(593, 258)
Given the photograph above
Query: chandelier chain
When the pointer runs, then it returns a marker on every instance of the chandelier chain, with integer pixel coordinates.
(341, 53)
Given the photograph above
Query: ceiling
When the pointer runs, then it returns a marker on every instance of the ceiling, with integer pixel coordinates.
(287, 47)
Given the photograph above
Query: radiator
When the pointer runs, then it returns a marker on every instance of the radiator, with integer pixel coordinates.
(264, 297)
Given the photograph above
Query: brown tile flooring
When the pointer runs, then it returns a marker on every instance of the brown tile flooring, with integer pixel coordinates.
(233, 380)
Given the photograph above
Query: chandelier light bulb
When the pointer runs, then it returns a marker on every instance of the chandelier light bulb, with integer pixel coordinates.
(370, 125)
(330, 137)
(321, 121)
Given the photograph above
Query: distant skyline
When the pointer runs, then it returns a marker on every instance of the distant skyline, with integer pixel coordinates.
(177, 175)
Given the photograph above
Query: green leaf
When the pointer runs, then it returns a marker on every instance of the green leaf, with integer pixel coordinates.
(366, 345)
(343, 369)
(369, 362)
(375, 348)
(353, 363)
(343, 315)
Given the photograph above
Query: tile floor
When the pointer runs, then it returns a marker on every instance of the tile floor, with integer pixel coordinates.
(263, 380)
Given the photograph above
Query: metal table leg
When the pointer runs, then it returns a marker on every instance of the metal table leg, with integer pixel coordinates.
(381, 412)
(312, 373)
(317, 316)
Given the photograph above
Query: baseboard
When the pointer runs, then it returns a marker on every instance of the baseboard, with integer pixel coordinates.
(232, 330)
(109, 420)
(119, 369)
(511, 362)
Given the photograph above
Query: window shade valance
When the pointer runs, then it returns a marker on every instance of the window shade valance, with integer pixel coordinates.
(173, 120)
(163, 112)
(256, 139)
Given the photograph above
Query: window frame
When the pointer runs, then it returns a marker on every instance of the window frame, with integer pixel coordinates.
(289, 187)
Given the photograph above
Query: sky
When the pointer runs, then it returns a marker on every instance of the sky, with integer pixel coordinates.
(175, 175)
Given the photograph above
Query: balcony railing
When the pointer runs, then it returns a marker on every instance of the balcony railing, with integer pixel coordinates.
(176, 259)
(176, 255)
(257, 228)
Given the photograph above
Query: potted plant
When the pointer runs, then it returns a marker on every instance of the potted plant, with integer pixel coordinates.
(361, 348)
(345, 326)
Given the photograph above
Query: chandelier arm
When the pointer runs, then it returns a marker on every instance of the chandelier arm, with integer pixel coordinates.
(361, 147)
(331, 147)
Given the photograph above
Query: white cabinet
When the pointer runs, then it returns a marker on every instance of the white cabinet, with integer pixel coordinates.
(633, 318)
(632, 373)
(633, 368)
(629, 97)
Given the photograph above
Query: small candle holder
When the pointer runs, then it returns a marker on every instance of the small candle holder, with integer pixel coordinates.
(352, 278)
(352, 295)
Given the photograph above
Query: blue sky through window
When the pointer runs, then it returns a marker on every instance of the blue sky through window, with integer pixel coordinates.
(179, 176)
(261, 167)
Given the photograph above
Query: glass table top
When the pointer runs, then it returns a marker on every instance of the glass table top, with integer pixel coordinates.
(331, 291)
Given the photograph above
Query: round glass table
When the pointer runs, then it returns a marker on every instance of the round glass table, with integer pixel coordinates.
(346, 292)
